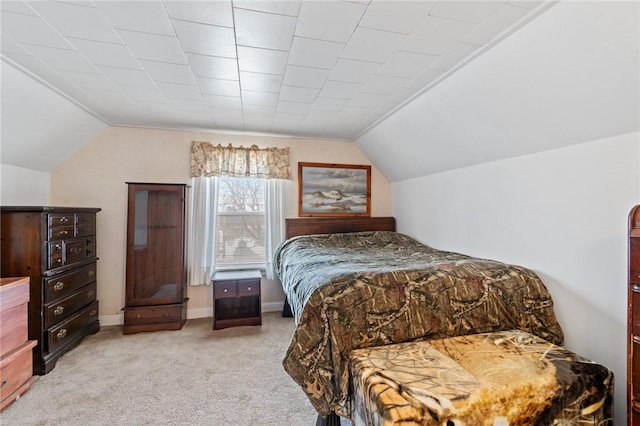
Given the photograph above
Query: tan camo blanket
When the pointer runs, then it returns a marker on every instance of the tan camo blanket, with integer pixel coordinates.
(503, 378)
(365, 289)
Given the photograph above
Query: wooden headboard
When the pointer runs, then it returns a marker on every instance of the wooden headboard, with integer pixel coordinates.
(333, 225)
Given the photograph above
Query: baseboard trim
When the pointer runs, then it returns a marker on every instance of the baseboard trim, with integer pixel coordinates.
(107, 320)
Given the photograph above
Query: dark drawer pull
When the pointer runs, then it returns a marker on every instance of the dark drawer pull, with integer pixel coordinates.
(62, 334)
(58, 286)
(4, 383)
(90, 294)
(63, 232)
(226, 290)
(91, 273)
(64, 219)
(93, 313)
(58, 310)
(636, 288)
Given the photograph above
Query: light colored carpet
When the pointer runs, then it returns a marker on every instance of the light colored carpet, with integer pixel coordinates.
(195, 376)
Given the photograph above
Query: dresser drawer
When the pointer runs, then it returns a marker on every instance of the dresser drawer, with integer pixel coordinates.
(85, 225)
(152, 314)
(64, 284)
(55, 252)
(224, 289)
(75, 250)
(61, 219)
(13, 327)
(64, 308)
(16, 368)
(61, 232)
(65, 332)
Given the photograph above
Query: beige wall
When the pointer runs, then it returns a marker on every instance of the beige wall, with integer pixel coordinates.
(95, 176)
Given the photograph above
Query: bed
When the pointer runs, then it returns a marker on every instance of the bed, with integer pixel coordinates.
(356, 283)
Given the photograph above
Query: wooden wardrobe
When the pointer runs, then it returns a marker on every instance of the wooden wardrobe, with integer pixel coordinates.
(156, 274)
(633, 320)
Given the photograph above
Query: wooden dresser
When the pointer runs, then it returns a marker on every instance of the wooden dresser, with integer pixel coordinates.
(633, 320)
(56, 248)
(15, 348)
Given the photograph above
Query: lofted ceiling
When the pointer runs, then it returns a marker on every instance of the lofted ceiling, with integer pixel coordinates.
(321, 69)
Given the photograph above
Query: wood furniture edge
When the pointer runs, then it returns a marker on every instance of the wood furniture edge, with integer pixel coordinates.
(331, 225)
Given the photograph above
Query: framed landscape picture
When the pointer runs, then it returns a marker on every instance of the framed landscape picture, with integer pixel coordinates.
(334, 189)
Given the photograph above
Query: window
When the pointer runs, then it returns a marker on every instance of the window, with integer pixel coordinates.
(240, 232)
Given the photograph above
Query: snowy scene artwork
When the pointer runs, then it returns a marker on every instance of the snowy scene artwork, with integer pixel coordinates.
(334, 189)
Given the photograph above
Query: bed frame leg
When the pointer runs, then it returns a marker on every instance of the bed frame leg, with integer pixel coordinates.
(331, 420)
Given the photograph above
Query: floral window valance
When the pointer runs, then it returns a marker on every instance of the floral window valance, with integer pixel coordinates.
(217, 160)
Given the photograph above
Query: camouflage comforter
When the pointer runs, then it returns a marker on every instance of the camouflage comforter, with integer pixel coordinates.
(358, 290)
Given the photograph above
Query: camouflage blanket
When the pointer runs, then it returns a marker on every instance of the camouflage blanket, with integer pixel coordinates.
(358, 290)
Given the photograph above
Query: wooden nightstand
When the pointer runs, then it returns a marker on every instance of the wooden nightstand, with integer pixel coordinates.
(236, 299)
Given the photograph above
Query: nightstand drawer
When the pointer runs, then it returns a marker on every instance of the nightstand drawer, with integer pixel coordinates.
(224, 289)
(248, 288)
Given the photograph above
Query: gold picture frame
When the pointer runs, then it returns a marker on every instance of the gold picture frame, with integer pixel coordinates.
(334, 189)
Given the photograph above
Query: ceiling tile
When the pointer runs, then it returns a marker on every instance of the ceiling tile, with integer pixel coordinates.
(62, 59)
(227, 118)
(259, 98)
(372, 45)
(314, 53)
(527, 4)
(262, 60)
(153, 47)
(169, 73)
(205, 12)
(329, 104)
(76, 21)
(258, 29)
(32, 64)
(401, 95)
(142, 16)
(9, 46)
(368, 100)
(296, 108)
(110, 97)
(495, 24)
(214, 86)
(109, 54)
(454, 56)
(128, 77)
(332, 21)
(32, 30)
(353, 71)
(17, 7)
(206, 39)
(321, 115)
(298, 94)
(396, 16)
(469, 11)
(145, 95)
(340, 90)
(286, 7)
(423, 79)
(190, 105)
(259, 82)
(305, 76)
(89, 81)
(434, 36)
(406, 64)
(180, 91)
(215, 101)
(384, 84)
(213, 67)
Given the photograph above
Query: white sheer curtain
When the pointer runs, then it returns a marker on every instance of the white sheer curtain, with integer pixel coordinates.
(274, 216)
(202, 225)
